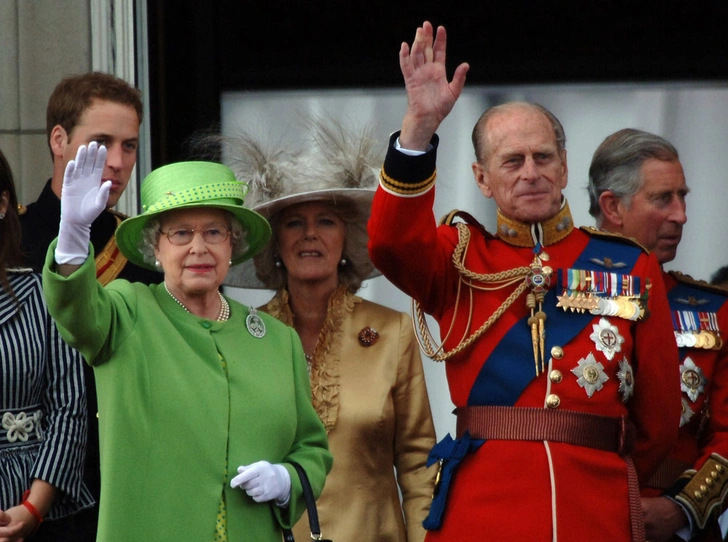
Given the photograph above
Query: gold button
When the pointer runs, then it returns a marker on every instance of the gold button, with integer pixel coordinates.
(709, 482)
(719, 468)
(555, 376)
(557, 352)
(714, 474)
(698, 495)
(553, 401)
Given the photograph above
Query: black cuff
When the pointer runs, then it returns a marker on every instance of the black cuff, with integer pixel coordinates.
(409, 175)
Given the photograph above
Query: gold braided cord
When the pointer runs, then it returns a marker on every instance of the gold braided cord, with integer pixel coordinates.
(426, 345)
(508, 276)
(498, 280)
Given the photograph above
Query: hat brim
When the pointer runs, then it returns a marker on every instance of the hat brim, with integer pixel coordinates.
(129, 232)
(244, 276)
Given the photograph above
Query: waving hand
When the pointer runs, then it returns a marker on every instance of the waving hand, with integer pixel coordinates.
(430, 96)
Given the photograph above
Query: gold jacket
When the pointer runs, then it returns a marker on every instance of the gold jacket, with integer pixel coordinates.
(370, 394)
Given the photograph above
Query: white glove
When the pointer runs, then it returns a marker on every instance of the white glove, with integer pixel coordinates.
(83, 198)
(264, 482)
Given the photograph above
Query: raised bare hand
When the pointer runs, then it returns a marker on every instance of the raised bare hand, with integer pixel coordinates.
(430, 96)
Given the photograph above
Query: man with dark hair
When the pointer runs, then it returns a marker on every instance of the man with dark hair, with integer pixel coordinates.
(554, 337)
(83, 108)
(637, 188)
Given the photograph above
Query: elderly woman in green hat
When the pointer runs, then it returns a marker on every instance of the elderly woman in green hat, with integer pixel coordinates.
(203, 402)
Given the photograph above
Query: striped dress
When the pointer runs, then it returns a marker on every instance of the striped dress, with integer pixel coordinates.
(42, 402)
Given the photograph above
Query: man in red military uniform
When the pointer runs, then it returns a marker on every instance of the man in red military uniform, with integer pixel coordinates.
(637, 188)
(558, 359)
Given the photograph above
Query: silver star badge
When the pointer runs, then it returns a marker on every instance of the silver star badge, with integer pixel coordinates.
(686, 412)
(607, 339)
(692, 379)
(590, 374)
(626, 380)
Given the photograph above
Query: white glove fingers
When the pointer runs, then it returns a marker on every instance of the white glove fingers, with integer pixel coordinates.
(235, 482)
(87, 166)
(243, 478)
(80, 161)
(68, 174)
(263, 482)
(101, 159)
(103, 194)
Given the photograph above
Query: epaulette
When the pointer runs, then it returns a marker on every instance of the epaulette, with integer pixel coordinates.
(591, 230)
(703, 285)
(118, 214)
(466, 217)
(22, 209)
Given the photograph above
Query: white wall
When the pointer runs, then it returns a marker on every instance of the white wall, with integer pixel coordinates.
(693, 117)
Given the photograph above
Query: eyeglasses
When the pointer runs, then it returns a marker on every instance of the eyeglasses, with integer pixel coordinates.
(184, 236)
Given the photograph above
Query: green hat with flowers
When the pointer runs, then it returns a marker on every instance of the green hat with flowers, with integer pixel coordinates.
(186, 185)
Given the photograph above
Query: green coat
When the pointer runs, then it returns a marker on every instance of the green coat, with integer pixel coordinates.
(173, 426)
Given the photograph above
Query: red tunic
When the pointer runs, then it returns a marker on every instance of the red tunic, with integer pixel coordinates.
(532, 490)
(696, 308)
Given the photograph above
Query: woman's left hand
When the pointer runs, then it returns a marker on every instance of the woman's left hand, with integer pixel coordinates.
(264, 482)
(16, 524)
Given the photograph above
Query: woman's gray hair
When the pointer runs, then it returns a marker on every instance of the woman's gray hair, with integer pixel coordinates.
(358, 265)
(617, 165)
(149, 238)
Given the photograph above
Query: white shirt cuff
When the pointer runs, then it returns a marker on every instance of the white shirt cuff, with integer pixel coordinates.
(410, 152)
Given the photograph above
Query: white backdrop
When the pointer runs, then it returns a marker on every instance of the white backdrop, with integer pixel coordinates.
(694, 117)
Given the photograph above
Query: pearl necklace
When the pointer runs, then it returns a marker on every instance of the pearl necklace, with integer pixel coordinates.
(224, 305)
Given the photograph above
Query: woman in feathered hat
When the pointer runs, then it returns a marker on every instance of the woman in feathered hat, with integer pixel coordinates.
(194, 389)
(365, 367)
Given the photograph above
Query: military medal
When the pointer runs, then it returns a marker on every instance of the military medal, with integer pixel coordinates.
(576, 302)
(696, 329)
(606, 338)
(692, 379)
(686, 412)
(708, 340)
(255, 324)
(626, 380)
(538, 280)
(602, 293)
(590, 374)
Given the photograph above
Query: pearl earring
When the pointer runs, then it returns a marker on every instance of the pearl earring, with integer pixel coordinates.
(342, 262)
(157, 264)
(277, 261)
(2, 215)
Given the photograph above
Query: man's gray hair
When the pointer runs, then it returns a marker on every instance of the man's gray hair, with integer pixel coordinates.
(480, 143)
(617, 165)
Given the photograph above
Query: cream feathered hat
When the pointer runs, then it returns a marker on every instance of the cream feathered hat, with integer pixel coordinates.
(335, 166)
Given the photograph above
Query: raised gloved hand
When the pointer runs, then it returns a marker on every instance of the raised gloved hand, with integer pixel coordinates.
(83, 198)
(264, 482)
